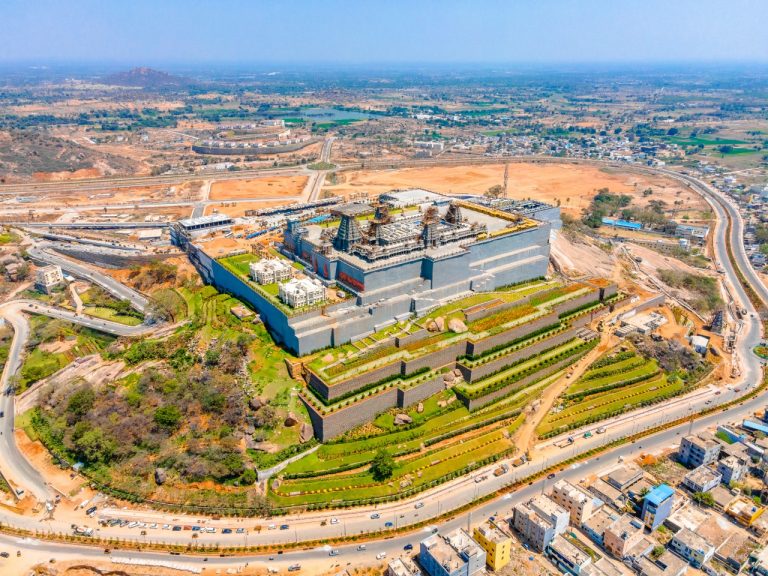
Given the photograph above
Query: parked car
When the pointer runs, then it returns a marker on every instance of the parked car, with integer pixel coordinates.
(381, 555)
(283, 526)
(361, 548)
(550, 476)
(408, 547)
(388, 524)
(375, 516)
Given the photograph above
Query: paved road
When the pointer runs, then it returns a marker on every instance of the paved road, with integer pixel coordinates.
(84, 185)
(42, 253)
(465, 490)
(14, 466)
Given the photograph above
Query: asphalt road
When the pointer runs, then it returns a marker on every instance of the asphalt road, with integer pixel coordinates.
(41, 253)
(461, 491)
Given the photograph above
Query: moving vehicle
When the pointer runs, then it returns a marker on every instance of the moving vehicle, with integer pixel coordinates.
(294, 567)
(550, 476)
(334, 520)
(333, 552)
(361, 548)
(587, 434)
(419, 505)
(283, 526)
(408, 547)
(601, 430)
(375, 516)
(381, 555)
(388, 524)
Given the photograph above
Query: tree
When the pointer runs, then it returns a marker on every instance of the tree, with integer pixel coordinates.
(93, 446)
(704, 498)
(248, 477)
(494, 191)
(168, 417)
(81, 402)
(382, 465)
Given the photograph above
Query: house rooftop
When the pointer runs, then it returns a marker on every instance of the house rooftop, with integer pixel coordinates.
(659, 494)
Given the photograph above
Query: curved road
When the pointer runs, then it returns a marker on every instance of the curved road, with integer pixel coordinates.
(41, 253)
(461, 491)
(14, 466)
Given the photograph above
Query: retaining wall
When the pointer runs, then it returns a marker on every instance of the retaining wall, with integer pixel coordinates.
(473, 374)
(475, 403)
(333, 391)
(436, 359)
(401, 341)
(475, 347)
(568, 305)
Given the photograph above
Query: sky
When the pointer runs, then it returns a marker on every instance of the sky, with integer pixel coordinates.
(151, 32)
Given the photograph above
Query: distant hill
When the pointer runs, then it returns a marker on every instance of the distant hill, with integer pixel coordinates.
(145, 78)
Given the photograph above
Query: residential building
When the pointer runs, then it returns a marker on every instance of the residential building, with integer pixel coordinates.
(744, 510)
(657, 506)
(579, 504)
(568, 557)
(694, 548)
(700, 344)
(622, 534)
(271, 270)
(496, 542)
(698, 450)
(622, 477)
(608, 494)
(732, 469)
(598, 523)
(665, 565)
(693, 233)
(48, 277)
(455, 554)
(403, 566)
(539, 520)
(300, 292)
(702, 479)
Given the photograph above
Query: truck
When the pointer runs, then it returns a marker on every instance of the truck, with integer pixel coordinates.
(564, 443)
(503, 469)
(519, 461)
(82, 531)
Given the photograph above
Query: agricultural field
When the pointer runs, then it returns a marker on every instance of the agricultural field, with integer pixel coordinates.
(617, 382)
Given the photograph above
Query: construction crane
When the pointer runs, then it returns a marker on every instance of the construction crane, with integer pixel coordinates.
(506, 178)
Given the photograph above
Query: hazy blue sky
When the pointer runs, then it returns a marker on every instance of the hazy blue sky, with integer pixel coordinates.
(367, 31)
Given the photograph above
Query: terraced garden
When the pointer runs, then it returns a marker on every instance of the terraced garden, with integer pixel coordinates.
(617, 382)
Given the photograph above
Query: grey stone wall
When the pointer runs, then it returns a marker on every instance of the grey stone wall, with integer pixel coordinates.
(344, 387)
(474, 374)
(418, 335)
(475, 403)
(436, 359)
(421, 392)
(568, 305)
(475, 347)
(327, 426)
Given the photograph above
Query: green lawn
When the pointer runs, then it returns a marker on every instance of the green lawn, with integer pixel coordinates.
(112, 315)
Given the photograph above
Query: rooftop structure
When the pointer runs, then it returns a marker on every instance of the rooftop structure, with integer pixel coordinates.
(579, 504)
(402, 567)
(48, 277)
(622, 534)
(665, 565)
(622, 477)
(657, 506)
(694, 548)
(271, 270)
(698, 449)
(568, 557)
(456, 554)
(299, 292)
(702, 479)
(539, 520)
(744, 510)
(496, 542)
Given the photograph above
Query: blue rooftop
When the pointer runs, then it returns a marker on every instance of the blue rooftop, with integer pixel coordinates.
(752, 425)
(659, 494)
(622, 223)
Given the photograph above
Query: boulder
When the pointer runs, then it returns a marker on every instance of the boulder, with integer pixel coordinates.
(420, 407)
(255, 403)
(161, 476)
(457, 326)
(401, 419)
(291, 420)
(449, 378)
(432, 326)
(440, 321)
(457, 373)
(306, 433)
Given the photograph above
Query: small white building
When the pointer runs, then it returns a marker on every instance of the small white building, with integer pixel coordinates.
(48, 277)
(270, 270)
(700, 344)
(300, 292)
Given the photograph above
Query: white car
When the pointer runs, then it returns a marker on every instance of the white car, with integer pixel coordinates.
(153, 526)
(381, 555)
(271, 527)
(419, 505)
(166, 526)
(334, 520)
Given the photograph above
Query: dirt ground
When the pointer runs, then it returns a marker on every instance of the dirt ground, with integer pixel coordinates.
(573, 186)
(237, 210)
(579, 256)
(62, 480)
(274, 187)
